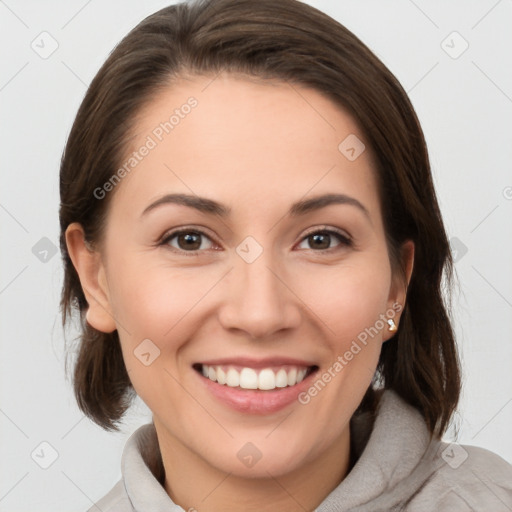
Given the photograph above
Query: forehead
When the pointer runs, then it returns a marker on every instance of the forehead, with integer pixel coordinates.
(244, 140)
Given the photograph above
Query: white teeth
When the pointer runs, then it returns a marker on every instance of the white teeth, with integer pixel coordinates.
(248, 378)
(281, 378)
(292, 377)
(266, 379)
(232, 378)
(221, 376)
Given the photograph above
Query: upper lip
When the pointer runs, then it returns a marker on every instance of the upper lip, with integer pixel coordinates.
(248, 362)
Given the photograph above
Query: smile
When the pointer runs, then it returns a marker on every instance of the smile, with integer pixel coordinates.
(255, 386)
(265, 379)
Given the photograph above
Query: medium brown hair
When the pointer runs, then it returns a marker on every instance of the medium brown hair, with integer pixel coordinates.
(292, 42)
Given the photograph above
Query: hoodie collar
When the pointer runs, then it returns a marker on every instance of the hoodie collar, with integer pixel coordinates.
(397, 459)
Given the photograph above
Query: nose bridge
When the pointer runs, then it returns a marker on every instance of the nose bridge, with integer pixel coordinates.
(258, 302)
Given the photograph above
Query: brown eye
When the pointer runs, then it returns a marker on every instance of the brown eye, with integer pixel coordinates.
(188, 241)
(320, 241)
(323, 240)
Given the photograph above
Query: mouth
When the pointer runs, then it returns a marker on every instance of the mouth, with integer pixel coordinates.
(264, 379)
(254, 387)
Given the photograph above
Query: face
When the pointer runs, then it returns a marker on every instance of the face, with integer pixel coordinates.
(244, 259)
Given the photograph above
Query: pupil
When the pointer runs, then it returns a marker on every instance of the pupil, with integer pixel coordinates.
(191, 241)
(321, 241)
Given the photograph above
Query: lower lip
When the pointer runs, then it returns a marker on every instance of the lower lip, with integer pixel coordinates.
(256, 401)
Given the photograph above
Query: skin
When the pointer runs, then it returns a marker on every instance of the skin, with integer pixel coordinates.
(256, 147)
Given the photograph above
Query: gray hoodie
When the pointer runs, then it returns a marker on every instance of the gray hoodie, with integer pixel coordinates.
(398, 469)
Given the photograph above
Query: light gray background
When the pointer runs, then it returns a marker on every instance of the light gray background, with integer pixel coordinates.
(464, 104)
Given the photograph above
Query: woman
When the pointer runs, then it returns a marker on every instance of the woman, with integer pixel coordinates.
(252, 240)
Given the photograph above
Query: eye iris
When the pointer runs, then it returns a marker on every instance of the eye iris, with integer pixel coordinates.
(320, 240)
(191, 241)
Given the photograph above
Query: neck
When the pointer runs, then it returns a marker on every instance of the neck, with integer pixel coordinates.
(194, 484)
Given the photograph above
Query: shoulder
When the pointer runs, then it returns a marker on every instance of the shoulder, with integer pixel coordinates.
(116, 500)
(468, 478)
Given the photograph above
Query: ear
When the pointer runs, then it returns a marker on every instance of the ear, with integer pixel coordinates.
(90, 270)
(398, 295)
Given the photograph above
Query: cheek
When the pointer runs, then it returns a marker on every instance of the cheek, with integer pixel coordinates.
(154, 305)
(156, 308)
(348, 299)
(150, 300)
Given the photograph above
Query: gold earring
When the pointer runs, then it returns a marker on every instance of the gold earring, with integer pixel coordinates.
(392, 326)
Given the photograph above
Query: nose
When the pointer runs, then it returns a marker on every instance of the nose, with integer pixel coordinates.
(259, 299)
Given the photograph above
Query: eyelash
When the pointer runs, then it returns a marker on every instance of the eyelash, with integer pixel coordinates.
(344, 240)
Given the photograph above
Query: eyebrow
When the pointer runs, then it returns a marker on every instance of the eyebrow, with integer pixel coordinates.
(212, 207)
